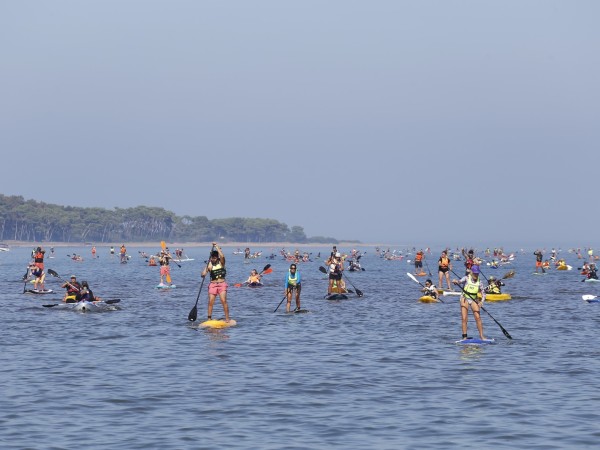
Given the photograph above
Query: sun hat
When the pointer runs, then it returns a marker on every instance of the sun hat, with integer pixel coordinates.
(475, 269)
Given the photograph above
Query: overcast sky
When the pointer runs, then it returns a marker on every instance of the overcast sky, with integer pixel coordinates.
(418, 122)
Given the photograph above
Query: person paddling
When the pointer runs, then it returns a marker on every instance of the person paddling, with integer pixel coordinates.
(254, 278)
(292, 283)
(164, 258)
(73, 289)
(444, 268)
(218, 285)
(539, 256)
(430, 289)
(86, 294)
(471, 285)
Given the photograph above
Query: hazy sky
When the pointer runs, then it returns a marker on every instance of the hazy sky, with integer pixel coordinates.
(419, 122)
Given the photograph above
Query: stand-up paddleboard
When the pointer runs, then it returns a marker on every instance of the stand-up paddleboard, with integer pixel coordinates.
(220, 323)
(39, 291)
(335, 296)
(593, 300)
(298, 311)
(184, 260)
(428, 299)
(165, 286)
(540, 273)
(592, 280)
(476, 341)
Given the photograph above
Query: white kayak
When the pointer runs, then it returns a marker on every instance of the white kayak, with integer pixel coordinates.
(85, 306)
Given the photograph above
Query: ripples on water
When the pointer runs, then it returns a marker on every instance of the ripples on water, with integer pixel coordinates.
(378, 372)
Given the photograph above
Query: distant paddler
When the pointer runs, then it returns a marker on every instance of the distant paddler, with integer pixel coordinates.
(471, 286)
(164, 258)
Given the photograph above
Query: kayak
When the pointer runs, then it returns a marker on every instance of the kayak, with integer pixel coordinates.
(214, 323)
(567, 267)
(255, 285)
(428, 299)
(495, 297)
(39, 291)
(85, 306)
(184, 259)
(165, 286)
(475, 341)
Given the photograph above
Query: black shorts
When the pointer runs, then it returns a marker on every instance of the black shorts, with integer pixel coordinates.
(335, 276)
(418, 264)
(443, 269)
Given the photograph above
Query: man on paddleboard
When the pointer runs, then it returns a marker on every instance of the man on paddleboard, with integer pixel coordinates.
(539, 256)
(217, 286)
(471, 285)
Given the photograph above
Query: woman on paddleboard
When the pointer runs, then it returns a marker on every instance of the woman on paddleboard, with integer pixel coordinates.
(217, 286)
(336, 267)
(471, 285)
(164, 259)
(292, 283)
(444, 268)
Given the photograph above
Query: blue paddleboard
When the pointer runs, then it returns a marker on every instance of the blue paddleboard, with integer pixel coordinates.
(165, 286)
(476, 341)
(594, 300)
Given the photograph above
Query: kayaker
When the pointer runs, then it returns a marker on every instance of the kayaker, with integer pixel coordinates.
(336, 267)
(152, 261)
(430, 289)
(539, 256)
(494, 286)
(292, 283)
(218, 285)
(419, 262)
(254, 277)
(86, 294)
(164, 258)
(444, 268)
(471, 285)
(592, 274)
(73, 288)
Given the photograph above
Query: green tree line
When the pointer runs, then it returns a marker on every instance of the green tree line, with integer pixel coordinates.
(29, 220)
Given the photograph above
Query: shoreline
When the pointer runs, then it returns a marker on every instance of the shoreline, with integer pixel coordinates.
(47, 245)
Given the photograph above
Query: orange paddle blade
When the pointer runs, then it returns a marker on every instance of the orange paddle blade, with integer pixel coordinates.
(238, 285)
(168, 278)
(269, 270)
(163, 245)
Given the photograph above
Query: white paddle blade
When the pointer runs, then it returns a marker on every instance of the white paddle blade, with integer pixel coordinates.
(411, 276)
(589, 297)
(451, 293)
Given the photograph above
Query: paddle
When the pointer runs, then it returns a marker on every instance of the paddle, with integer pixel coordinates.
(108, 302)
(267, 269)
(509, 274)
(284, 297)
(411, 276)
(193, 315)
(427, 265)
(482, 307)
(54, 274)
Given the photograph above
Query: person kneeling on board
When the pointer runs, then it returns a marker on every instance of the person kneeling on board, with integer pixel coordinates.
(494, 286)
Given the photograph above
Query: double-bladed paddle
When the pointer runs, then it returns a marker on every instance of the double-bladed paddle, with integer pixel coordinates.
(412, 277)
(267, 269)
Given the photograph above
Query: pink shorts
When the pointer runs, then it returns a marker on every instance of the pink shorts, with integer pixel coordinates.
(164, 270)
(217, 288)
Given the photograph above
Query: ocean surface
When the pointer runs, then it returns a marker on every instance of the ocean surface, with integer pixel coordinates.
(378, 372)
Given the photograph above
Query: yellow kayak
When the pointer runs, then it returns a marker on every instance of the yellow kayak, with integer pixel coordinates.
(218, 323)
(496, 297)
(428, 299)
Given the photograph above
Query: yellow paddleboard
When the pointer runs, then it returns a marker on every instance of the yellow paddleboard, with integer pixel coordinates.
(218, 323)
(495, 297)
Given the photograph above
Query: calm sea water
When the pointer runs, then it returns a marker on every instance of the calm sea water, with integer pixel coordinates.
(381, 371)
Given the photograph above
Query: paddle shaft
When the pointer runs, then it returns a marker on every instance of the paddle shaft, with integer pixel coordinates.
(193, 315)
(284, 297)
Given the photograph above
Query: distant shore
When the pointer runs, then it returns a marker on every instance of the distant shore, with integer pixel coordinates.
(287, 245)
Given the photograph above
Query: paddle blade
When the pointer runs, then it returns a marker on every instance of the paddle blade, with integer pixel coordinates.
(412, 277)
(50, 306)
(193, 315)
(163, 245)
(168, 278)
(237, 285)
(589, 297)
(52, 272)
(322, 269)
(359, 292)
(110, 302)
(266, 268)
(267, 271)
(509, 274)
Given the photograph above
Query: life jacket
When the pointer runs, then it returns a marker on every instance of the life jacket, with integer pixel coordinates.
(38, 257)
(73, 288)
(254, 279)
(217, 272)
(163, 260)
(292, 280)
(493, 288)
(444, 262)
(471, 287)
(419, 256)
